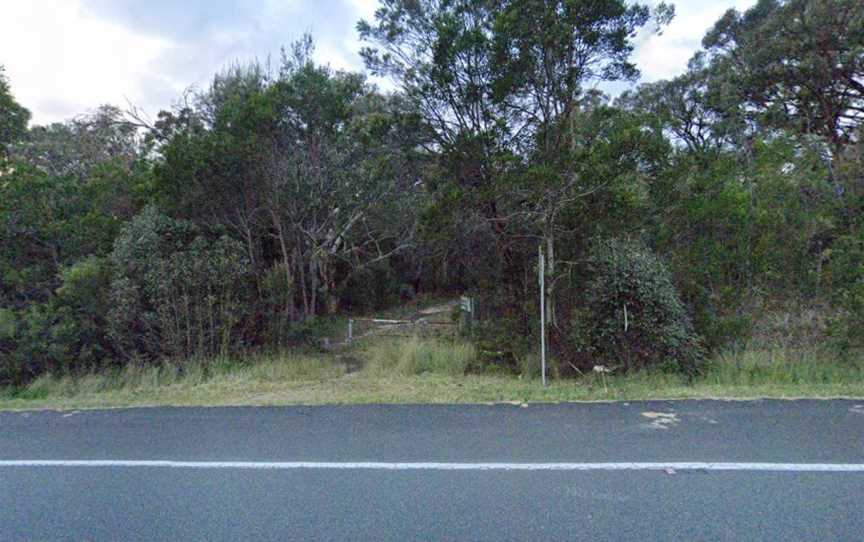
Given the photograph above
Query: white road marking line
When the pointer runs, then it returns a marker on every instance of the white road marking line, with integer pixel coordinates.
(396, 466)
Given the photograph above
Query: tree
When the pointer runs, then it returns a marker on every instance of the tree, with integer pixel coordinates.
(486, 75)
(546, 53)
(689, 109)
(797, 63)
(310, 169)
(331, 179)
(13, 116)
(78, 147)
(502, 85)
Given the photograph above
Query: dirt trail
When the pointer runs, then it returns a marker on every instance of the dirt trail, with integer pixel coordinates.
(428, 321)
(431, 321)
(438, 309)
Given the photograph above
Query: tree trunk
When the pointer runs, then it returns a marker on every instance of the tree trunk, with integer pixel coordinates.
(286, 263)
(313, 286)
(328, 281)
(550, 275)
(301, 269)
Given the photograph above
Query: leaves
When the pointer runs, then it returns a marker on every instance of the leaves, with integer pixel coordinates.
(13, 117)
(632, 312)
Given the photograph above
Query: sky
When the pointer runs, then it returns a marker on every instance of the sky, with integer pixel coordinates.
(67, 57)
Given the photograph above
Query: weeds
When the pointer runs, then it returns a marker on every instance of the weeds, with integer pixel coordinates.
(399, 370)
(414, 356)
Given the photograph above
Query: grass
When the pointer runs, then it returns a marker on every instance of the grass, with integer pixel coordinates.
(413, 356)
(413, 370)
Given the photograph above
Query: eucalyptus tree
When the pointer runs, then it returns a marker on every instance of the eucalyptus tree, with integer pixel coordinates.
(307, 166)
(798, 64)
(502, 83)
(339, 173)
(691, 110)
(77, 147)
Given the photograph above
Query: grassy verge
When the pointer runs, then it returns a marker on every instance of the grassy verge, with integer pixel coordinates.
(424, 371)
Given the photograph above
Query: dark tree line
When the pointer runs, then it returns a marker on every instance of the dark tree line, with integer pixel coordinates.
(282, 195)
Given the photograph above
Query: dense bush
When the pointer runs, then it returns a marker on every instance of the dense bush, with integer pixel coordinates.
(65, 333)
(372, 288)
(294, 192)
(176, 293)
(846, 272)
(733, 229)
(632, 316)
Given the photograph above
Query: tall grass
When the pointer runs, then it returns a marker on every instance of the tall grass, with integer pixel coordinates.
(783, 366)
(143, 379)
(414, 356)
(430, 370)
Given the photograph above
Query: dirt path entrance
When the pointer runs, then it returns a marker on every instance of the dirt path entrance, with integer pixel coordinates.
(434, 321)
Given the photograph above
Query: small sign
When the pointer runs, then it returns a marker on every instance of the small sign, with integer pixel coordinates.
(466, 303)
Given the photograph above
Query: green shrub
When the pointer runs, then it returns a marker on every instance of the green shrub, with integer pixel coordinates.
(501, 343)
(846, 272)
(66, 333)
(176, 292)
(632, 315)
(82, 305)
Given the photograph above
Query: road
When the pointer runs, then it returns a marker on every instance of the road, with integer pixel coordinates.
(696, 470)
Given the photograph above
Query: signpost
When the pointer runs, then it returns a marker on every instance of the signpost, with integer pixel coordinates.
(542, 269)
(466, 306)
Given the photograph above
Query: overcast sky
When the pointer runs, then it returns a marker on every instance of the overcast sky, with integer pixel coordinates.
(66, 57)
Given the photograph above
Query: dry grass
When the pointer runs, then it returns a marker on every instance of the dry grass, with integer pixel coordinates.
(416, 370)
(415, 356)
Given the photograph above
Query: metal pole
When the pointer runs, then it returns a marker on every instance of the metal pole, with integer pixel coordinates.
(350, 330)
(542, 267)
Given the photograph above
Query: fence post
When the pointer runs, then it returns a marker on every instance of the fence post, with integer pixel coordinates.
(350, 330)
(466, 306)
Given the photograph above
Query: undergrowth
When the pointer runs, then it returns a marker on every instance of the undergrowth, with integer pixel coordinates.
(417, 370)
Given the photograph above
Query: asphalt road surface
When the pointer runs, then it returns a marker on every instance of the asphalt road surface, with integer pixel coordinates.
(700, 470)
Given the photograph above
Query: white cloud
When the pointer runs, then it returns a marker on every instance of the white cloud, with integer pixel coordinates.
(65, 57)
(62, 62)
(666, 55)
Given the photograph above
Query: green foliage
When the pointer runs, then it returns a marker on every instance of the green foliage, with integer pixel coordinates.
(66, 333)
(632, 316)
(81, 304)
(176, 292)
(732, 227)
(536, 39)
(54, 233)
(78, 148)
(13, 117)
(373, 288)
(690, 109)
(7, 324)
(290, 194)
(846, 271)
(797, 63)
(413, 356)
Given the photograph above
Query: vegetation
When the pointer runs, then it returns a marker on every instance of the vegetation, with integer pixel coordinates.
(632, 314)
(425, 371)
(679, 221)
